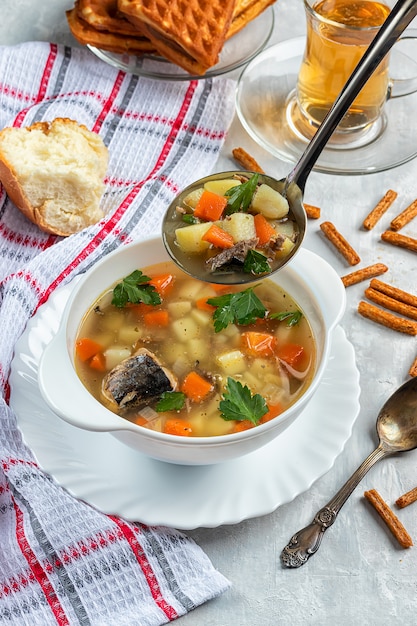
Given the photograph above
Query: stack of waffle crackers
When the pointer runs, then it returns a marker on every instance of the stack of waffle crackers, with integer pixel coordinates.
(189, 33)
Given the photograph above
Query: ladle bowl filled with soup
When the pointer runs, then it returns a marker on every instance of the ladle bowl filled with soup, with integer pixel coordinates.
(187, 371)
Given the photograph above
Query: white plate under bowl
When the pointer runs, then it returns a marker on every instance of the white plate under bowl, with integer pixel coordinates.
(116, 479)
(238, 50)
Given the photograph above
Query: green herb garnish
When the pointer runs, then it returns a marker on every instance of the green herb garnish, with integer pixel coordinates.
(240, 197)
(239, 404)
(189, 219)
(170, 401)
(243, 308)
(135, 288)
(256, 263)
(292, 317)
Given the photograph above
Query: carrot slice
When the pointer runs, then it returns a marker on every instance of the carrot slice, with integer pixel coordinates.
(86, 348)
(156, 318)
(219, 288)
(210, 206)
(218, 237)
(140, 308)
(203, 305)
(258, 344)
(140, 420)
(196, 387)
(242, 425)
(291, 353)
(163, 283)
(176, 426)
(264, 230)
(273, 411)
(98, 362)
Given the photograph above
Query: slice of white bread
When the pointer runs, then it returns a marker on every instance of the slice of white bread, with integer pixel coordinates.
(53, 172)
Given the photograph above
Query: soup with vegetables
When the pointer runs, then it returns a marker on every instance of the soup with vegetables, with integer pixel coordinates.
(230, 227)
(190, 358)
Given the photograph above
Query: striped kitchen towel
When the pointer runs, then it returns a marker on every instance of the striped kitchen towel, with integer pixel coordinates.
(62, 561)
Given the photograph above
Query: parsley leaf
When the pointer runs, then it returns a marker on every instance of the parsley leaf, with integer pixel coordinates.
(135, 288)
(256, 263)
(170, 401)
(189, 219)
(243, 308)
(292, 317)
(239, 404)
(240, 197)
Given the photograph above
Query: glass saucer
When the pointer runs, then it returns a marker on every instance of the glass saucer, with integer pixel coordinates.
(238, 50)
(264, 101)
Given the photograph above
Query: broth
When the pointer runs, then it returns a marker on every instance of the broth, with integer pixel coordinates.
(272, 360)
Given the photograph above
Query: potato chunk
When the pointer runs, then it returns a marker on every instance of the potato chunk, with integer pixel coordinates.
(270, 203)
(240, 225)
(232, 362)
(287, 246)
(189, 237)
(221, 186)
(193, 197)
(115, 355)
(185, 329)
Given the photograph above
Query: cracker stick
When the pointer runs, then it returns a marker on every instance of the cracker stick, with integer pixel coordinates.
(246, 161)
(389, 517)
(407, 498)
(391, 303)
(340, 243)
(394, 292)
(379, 210)
(313, 212)
(406, 216)
(413, 368)
(363, 274)
(375, 314)
(402, 241)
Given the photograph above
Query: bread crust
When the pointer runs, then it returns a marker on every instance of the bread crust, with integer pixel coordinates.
(14, 190)
(62, 222)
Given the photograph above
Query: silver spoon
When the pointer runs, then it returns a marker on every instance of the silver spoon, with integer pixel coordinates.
(293, 185)
(396, 426)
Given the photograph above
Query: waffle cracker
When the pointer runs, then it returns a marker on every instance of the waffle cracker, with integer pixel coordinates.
(190, 33)
(246, 11)
(104, 15)
(120, 44)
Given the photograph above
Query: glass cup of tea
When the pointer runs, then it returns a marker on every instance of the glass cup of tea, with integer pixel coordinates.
(338, 33)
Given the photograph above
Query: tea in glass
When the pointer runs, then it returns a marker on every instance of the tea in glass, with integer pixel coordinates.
(338, 33)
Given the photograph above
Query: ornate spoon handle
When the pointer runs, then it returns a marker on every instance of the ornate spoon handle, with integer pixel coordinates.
(307, 541)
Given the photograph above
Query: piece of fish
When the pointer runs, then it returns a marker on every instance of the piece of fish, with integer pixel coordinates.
(138, 380)
(235, 254)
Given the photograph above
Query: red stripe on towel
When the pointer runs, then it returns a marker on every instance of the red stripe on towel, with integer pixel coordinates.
(43, 86)
(109, 102)
(10, 236)
(38, 571)
(146, 567)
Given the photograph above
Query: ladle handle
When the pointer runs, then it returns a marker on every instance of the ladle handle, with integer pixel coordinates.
(307, 541)
(397, 21)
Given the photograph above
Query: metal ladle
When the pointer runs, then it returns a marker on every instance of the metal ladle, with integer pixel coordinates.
(396, 426)
(293, 185)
